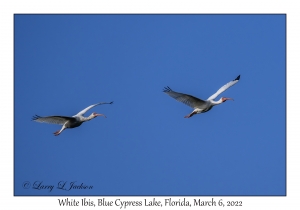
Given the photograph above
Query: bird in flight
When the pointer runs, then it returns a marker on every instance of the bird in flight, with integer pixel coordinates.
(199, 105)
(69, 122)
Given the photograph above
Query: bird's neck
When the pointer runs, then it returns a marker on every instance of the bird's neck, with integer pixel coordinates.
(217, 102)
(88, 118)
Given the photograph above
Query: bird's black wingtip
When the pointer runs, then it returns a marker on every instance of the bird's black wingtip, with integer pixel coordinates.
(167, 89)
(35, 117)
(111, 102)
(238, 77)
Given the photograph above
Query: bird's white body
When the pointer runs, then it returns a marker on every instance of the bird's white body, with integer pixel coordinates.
(69, 122)
(199, 105)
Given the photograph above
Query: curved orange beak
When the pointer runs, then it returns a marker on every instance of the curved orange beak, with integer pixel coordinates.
(96, 115)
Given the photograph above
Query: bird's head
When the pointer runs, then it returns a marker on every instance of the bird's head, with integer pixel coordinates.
(96, 115)
(225, 99)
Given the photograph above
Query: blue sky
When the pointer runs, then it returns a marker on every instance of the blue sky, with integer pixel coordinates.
(64, 63)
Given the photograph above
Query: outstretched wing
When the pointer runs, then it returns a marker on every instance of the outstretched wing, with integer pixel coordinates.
(185, 98)
(225, 87)
(59, 120)
(89, 107)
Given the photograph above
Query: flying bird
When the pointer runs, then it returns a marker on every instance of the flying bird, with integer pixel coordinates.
(199, 105)
(69, 122)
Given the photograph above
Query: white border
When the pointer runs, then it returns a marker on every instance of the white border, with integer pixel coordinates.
(9, 8)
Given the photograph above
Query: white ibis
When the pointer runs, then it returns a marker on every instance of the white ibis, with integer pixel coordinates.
(199, 105)
(69, 122)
